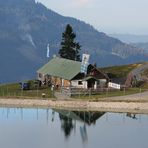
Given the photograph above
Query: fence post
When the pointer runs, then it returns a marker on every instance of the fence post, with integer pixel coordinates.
(7, 91)
(37, 91)
(124, 90)
(3, 93)
(89, 93)
(107, 92)
(140, 93)
(21, 92)
(79, 93)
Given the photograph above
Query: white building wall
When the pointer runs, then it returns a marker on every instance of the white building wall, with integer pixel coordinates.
(79, 84)
(85, 84)
(95, 86)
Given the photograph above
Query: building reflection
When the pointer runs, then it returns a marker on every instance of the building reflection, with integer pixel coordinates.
(131, 115)
(68, 121)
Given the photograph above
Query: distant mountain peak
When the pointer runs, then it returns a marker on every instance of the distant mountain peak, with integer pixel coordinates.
(27, 27)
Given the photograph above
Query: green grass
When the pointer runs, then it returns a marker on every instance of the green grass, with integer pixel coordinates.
(145, 85)
(111, 94)
(145, 73)
(120, 71)
(14, 90)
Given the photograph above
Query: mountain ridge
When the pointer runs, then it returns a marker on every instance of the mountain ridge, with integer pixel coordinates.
(28, 26)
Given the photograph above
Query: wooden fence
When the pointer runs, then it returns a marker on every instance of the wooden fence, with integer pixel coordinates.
(72, 91)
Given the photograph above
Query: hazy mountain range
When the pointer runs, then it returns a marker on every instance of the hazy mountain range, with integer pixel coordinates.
(138, 41)
(143, 46)
(27, 27)
(131, 38)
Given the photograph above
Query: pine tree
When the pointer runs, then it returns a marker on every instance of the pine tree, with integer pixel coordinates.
(69, 48)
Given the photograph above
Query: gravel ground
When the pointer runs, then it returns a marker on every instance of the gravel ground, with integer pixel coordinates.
(117, 106)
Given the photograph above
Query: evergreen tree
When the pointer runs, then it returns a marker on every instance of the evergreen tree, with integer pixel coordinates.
(69, 48)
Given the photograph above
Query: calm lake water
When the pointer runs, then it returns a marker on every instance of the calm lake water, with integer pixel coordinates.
(46, 128)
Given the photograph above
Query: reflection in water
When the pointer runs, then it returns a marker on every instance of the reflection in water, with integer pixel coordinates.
(8, 113)
(83, 132)
(81, 128)
(66, 124)
(53, 114)
(37, 114)
(47, 115)
(68, 118)
(21, 113)
(88, 117)
(133, 116)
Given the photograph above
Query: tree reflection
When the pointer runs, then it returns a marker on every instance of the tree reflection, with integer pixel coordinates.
(66, 125)
(87, 117)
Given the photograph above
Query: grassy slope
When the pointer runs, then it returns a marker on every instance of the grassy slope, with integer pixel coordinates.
(14, 90)
(145, 73)
(120, 71)
(129, 91)
(124, 70)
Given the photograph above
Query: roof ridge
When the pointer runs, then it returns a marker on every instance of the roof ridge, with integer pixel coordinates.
(66, 59)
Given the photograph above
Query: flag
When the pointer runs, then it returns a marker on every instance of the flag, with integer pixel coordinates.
(84, 63)
(48, 51)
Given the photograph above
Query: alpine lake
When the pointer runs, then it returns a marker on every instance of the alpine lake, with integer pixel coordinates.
(54, 128)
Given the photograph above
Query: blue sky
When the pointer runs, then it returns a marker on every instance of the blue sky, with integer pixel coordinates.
(109, 16)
